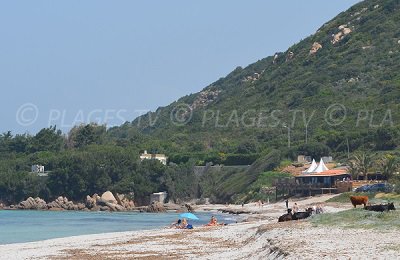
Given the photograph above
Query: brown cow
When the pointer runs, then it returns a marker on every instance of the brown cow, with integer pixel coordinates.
(359, 200)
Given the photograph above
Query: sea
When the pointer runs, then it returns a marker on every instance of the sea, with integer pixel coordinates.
(19, 226)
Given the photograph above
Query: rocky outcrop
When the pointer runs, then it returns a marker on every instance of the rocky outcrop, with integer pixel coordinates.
(62, 203)
(109, 197)
(204, 98)
(256, 76)
(343, 31)
(91, 202)
(289, 56)
(107, 202)
(276, 56)
(315, 48)
(125, 202)
(33, 203)
(156, 207)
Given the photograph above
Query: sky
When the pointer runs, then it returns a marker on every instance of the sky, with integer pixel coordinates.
(70, 62)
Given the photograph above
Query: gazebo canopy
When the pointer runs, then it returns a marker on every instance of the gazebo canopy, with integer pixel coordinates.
(312, 167)
(321, 167)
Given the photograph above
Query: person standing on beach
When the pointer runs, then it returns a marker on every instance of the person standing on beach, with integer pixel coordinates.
(287, 203)
(295, 208)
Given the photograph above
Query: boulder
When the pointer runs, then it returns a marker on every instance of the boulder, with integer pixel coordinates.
(114, 207)
(31, 203)
(109, 197)
(315, 47)
(81, 206)
(156, 207)
(127, 204)
(90, 202)
(343, 31)
(104, 208)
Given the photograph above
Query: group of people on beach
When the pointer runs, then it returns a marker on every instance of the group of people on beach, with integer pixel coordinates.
(316, 209)
(183, 224)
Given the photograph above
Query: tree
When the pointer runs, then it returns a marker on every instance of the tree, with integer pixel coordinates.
(353, 170)
(389, 165)
(48, 139)
(363, 162)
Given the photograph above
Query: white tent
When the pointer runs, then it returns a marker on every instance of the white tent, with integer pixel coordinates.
(312, 167)
(321, 167)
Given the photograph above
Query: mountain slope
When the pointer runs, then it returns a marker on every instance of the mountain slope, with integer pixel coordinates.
(343, 82)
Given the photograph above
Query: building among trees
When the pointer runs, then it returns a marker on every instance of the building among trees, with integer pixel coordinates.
(153, 156)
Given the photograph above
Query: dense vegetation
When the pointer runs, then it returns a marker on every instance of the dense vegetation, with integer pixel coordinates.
(338, 101)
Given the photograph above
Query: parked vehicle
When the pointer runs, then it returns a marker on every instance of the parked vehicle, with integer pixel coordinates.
(363, 188)
(378, 187)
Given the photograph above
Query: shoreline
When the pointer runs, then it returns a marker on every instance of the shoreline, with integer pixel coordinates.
(261, 237)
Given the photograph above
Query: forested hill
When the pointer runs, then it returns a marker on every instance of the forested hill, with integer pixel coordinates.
(343, 82)
(335, 92)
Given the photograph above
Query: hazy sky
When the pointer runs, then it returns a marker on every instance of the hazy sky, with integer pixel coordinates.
(64, 62)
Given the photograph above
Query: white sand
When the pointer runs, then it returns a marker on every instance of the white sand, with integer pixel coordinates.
(263, 238)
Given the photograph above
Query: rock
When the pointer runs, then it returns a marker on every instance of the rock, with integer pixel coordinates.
(315, 48)
(127, 204)
(104, 208)
(234, 211)
(343, 31)
(276, 56)
(115, 207)
(56, 209)
(189, 208)
(346, 31)
(81, 206)
(109, 197)
(32, 203)
(376, 6)
(90, 202)
(289, 56)
(398, 41)
(156, 207)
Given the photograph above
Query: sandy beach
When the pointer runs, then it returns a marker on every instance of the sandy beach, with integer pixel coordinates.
(261, 237)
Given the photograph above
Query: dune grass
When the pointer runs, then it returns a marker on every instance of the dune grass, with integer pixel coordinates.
(359, 218)
(374, 198)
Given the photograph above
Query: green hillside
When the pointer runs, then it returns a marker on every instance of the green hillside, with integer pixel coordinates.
(347, 90)
(340, 85)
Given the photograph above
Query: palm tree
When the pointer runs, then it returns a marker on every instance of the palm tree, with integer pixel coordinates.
(353, 170)
(363, 162)
(390, 166)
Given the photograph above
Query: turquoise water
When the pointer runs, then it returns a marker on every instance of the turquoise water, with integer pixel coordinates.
(28, 226)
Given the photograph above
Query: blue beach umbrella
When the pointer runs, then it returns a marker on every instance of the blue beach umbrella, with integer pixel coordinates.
(188, 216)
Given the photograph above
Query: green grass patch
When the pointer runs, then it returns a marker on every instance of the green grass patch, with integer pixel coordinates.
(359, 218)
(372, 197)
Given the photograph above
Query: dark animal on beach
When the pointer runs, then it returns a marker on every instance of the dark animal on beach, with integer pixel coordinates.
(286, 217)
(359, 200)
(302, 215)
(381, 207)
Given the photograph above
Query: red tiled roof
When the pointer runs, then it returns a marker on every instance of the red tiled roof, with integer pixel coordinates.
(332, 172)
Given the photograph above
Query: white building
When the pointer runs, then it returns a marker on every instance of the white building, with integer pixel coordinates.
(147, 156)
(37, 168)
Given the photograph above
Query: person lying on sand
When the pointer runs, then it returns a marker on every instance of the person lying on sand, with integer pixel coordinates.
(176, 224)
(214, 222)
(185, 225)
